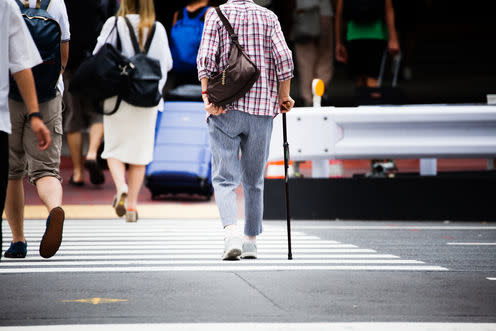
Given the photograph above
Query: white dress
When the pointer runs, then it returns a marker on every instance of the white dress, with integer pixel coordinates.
(129, 133)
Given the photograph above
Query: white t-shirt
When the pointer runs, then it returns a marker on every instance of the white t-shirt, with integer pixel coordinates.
(325, 6)
(17, 52)
(159, 48)
(58, 11)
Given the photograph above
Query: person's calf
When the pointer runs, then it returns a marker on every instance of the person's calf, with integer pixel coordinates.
(50, 191)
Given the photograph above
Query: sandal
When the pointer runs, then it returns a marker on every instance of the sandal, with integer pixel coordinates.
(131, 216)
(96, 174)
(74, 183)
(119, 203)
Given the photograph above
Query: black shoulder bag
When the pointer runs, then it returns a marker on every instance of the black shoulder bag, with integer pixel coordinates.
(238, 77)
(103, 75)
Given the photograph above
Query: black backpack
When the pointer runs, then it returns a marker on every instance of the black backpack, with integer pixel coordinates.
(47, 36)
(143, 88)
(363, 11)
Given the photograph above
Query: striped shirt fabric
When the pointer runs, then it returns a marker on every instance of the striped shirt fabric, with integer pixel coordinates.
(260, 34)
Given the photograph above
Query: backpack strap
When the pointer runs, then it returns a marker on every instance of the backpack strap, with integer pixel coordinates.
(203, 12)
(150, 38)
(185, 15)
(40, 4)
(23, 5)
(133, 36)
(43, 4)
(119, 44)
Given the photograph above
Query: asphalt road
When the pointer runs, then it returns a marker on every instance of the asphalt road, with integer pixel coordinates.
(108, 272)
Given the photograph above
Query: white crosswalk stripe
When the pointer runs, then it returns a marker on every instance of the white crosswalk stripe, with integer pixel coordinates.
(154, 245)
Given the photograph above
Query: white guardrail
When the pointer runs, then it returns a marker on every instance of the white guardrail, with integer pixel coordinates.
(375, 132)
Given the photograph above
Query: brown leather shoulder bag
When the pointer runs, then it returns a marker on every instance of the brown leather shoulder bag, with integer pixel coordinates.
(238, 77)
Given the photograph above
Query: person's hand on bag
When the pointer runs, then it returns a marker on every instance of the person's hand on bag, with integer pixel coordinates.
(286, 104)
(211, 108)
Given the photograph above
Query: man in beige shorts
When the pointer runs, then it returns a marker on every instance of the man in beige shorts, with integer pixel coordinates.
(42, 167)
(17, 55)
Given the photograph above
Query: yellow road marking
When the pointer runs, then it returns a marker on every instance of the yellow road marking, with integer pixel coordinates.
(96, 301)
(155, 211)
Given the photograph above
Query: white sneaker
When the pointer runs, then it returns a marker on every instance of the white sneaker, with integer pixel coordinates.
(249, 250)
(232, 248)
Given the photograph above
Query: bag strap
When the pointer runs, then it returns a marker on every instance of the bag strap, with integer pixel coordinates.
(98, 106)
(119, 43)
(227, 25)
(132, 35)
(185, 15)
(150, 38)
(21, 4)
(40, 4)
(203, 12)
(135, 41)
(43, 4)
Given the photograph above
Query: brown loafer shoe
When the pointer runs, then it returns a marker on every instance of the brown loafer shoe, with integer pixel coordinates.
(52, 238)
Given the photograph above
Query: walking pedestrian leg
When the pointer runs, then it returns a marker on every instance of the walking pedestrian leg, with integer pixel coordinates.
(254, 153)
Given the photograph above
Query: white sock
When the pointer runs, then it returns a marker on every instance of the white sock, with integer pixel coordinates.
(250, 239)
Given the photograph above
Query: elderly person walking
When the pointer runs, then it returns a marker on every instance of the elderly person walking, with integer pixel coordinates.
(240, 133)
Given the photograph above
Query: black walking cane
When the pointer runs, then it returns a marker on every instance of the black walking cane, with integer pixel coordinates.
(286, 179)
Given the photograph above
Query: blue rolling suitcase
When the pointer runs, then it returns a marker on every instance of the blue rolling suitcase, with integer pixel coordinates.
(182, 156)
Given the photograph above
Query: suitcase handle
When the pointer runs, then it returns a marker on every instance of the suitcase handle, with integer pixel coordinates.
(395, 65)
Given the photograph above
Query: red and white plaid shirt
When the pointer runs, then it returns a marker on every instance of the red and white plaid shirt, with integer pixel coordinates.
(260, 34)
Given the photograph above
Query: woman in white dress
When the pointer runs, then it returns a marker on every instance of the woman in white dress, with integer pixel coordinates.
(130, 132)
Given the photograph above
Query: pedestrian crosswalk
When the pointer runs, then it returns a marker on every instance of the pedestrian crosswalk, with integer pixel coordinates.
(189, 245)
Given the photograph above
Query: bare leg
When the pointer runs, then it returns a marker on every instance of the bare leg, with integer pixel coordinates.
(118, 171)
(50, 192)
(96, 135)
(372, 82)
(14, 209)
(324, 52)
(136, 177)
(306, 55)
(75, 142)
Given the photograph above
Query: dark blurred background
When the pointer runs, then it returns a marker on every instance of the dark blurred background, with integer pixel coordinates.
(448, 46)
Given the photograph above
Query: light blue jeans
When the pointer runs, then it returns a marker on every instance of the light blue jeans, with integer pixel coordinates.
(240, 148)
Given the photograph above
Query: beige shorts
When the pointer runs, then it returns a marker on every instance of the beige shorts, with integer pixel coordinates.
(24, 155)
